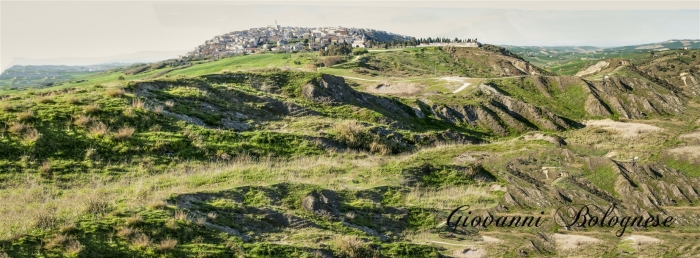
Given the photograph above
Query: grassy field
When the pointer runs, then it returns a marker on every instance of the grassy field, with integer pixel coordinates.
(570, 60)
(249, 62)
(265, 156)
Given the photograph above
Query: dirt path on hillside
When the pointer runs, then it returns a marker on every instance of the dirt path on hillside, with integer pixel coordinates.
(457, 79)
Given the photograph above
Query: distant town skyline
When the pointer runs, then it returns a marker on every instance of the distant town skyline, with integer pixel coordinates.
(98, 31)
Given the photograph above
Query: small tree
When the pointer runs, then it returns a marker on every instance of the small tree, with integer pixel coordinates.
(359, 51)
(121, 78)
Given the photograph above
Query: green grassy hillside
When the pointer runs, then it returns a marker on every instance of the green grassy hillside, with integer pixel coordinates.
(301, 155)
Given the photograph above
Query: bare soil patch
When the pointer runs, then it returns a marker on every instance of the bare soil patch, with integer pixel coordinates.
(571, 242)
(470, 253)
(643, 240)
(628, 130)
(693, 151)
(396, 88)
(693, 135)
(491, 240)
(593, 69)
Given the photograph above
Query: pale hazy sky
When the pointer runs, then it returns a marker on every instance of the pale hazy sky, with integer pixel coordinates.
(71, 30)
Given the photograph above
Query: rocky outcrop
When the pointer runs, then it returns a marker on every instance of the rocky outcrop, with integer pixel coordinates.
(593, 68)
(324, 203)
(333, 90)
(523, 67)
(631, 98)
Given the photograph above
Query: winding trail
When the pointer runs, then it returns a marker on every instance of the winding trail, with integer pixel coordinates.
(464, 86)
(457, 79)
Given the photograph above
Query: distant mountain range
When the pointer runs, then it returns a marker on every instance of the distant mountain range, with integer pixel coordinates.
(666, 45)
(659, 46)
(137, 57)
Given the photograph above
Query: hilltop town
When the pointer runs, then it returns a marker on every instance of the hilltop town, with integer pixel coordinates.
(278, 38)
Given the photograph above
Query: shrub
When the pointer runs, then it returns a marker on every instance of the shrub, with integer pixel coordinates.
(115, 92)
(171, 224)
(352, 133)
(99, 129)
(82, 121)
(141, 241)
(18, 128)
(158, 109)
(45, 219)
(134, 220)
(25, 116)
(90, 153)
(359, 51)
(331, 60)
(167, 244)
(138, 103)
(125, 132)
(125, 232)
(129, 112)
(73, 247)
(45, 100)
(56, 241)
(377, 147)
(310, 66)
(45, 168)
(155, 128)
(96, 205)
(181, 215)
(73, 100)
(68, 228)
(8, 107)
(200, 221)
(31, 135)
(352, 246)
(92, 108)
(158, 205)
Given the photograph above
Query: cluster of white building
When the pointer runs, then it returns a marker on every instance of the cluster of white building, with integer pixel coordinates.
(277, 38)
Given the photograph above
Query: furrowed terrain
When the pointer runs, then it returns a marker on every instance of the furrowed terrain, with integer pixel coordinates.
(300, 155)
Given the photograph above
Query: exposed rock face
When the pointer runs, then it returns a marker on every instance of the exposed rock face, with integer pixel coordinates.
(501, 114)
(523, 67)
(332, 89)
(690, 83)
(229, 104)
(501, 61)
(652, 186)
(630, 98)
(593, 69)
(322, 203)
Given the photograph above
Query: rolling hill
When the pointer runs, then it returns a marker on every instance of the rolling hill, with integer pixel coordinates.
(302, 155)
